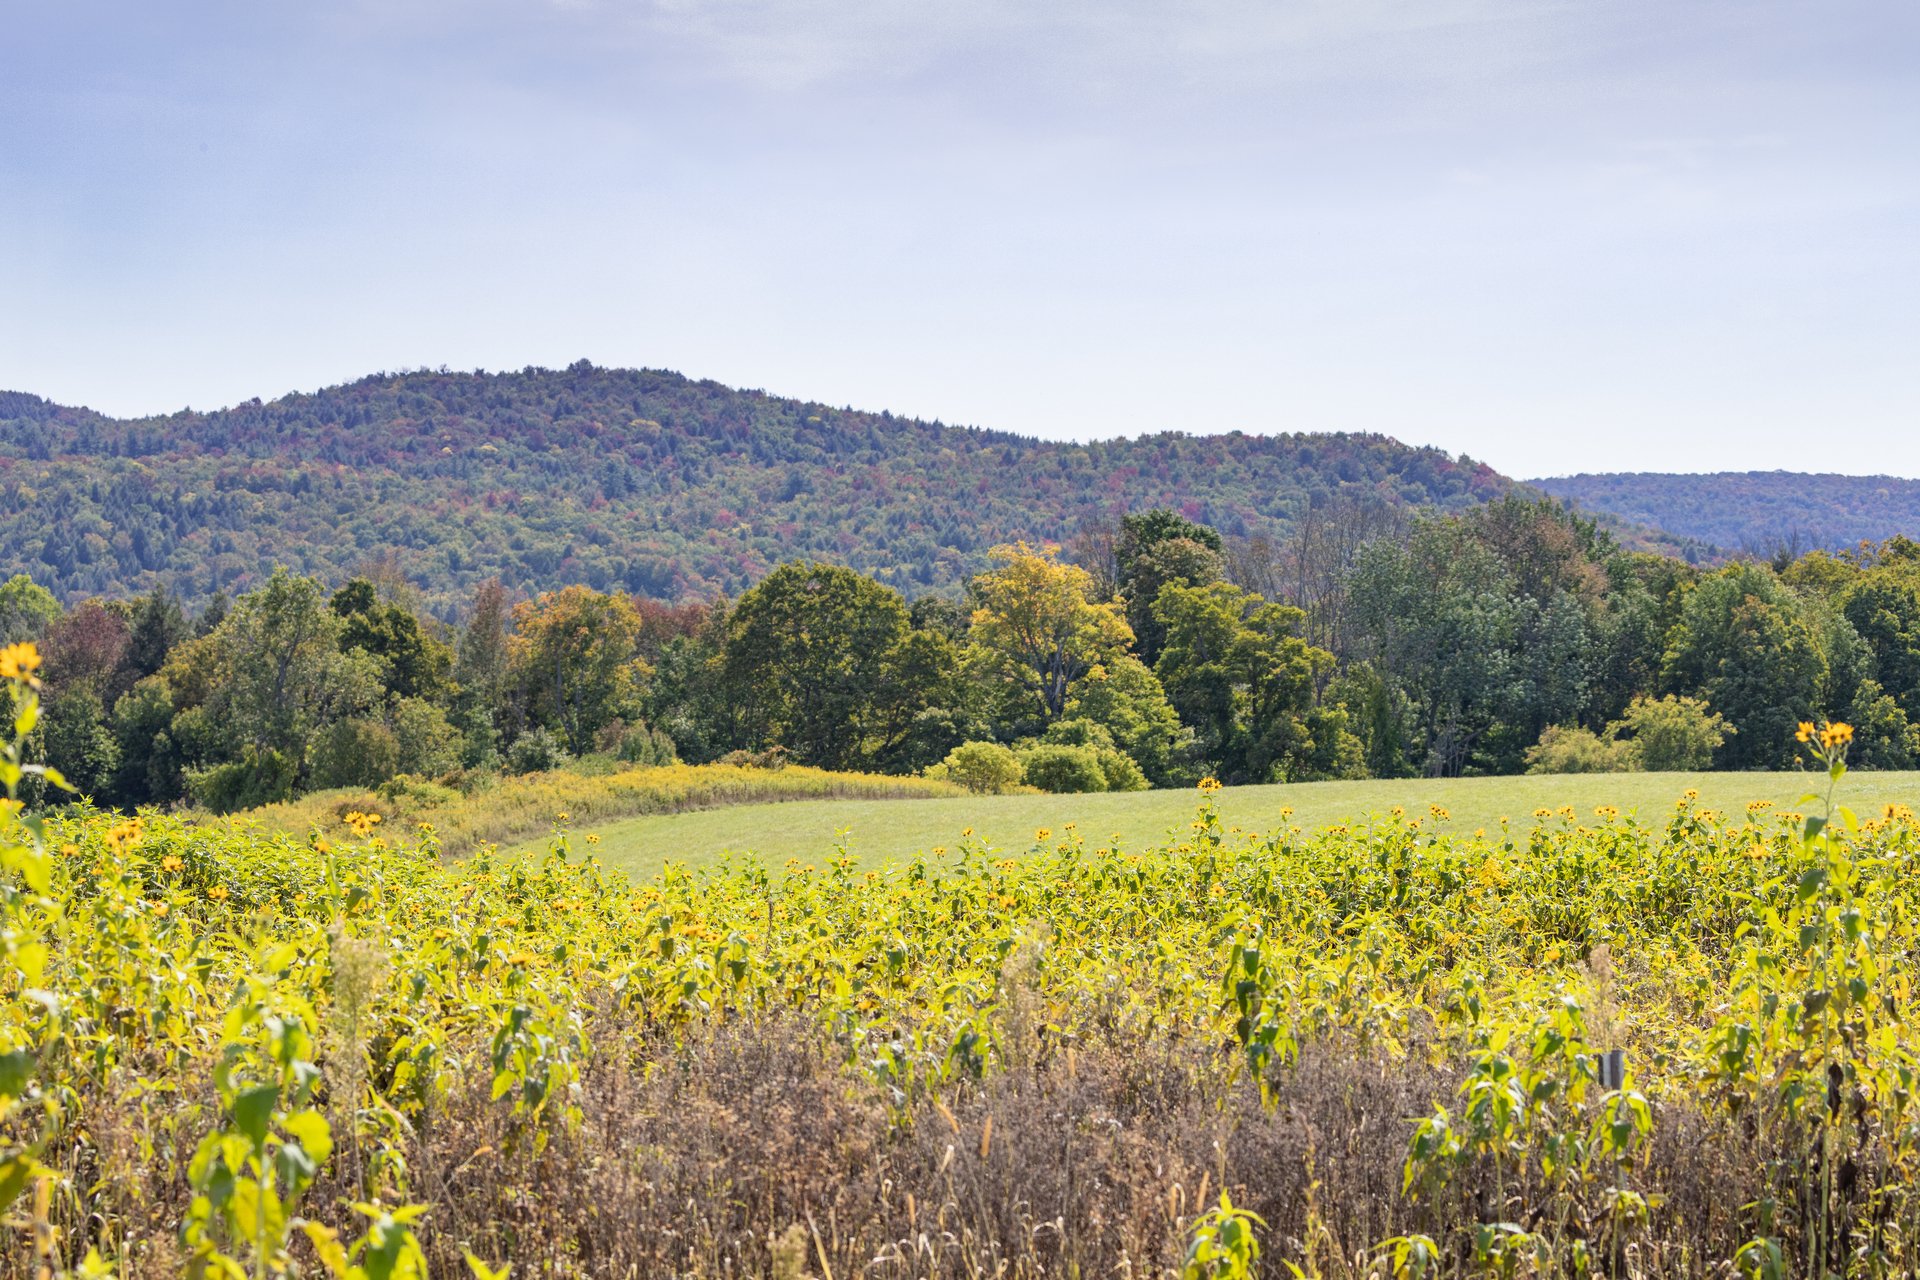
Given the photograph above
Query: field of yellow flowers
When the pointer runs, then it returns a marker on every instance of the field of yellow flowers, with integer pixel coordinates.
(1601, 1047)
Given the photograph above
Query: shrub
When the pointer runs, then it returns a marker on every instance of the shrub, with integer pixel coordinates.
(536, 751)
(774, 758)
(404, 791)
(1337, 751)
(1120, 771)
(355, 753)
(1885, 739)
(1673, 734)
(258, 777)
(1063, 769)
(1571, 749)
(984, 768)
(644, 745)
(427, 744)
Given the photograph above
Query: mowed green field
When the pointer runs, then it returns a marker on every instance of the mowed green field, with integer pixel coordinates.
(880, 830)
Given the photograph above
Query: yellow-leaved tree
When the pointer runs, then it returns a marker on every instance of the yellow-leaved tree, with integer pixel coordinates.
(1038, 620)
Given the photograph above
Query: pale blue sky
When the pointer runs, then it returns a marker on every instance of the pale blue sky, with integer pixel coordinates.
(1558, 236)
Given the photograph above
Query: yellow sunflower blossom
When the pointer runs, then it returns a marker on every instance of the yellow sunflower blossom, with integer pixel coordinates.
(20, 661)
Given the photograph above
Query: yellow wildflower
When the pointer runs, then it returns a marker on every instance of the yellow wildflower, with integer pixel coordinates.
(19, 662)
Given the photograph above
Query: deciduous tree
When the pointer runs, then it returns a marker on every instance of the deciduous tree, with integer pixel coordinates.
(1039, 627)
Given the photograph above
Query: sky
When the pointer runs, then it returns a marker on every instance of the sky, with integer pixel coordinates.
(1603, 235)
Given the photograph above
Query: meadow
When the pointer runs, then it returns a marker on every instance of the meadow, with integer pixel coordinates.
(877, 832)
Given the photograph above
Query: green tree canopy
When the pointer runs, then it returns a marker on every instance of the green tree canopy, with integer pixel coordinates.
(272, 673)
(413, 664)
(1237, 670)
(825, 663)
(573, 664)
(27, 609)
(1748, 645)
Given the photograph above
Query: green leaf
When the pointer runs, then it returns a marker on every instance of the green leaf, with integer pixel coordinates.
(16, 1069)
(253, 1112)
(297, 1168)
(16, 1172)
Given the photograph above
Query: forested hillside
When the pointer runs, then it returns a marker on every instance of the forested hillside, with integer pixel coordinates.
(634, 480)
(1753, 512)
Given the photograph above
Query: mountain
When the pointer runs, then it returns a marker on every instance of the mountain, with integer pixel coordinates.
(1752, 512)
(638, 479)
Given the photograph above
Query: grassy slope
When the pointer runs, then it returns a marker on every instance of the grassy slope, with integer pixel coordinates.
(519, 809)
(889, 829)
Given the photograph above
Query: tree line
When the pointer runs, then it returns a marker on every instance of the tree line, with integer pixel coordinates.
(1150, 651)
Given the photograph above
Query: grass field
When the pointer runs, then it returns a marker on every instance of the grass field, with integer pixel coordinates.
(882, 829)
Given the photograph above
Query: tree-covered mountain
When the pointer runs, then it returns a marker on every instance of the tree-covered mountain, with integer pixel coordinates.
(621, 479)
(1753, 512)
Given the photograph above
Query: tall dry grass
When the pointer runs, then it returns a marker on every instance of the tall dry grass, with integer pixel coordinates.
(714, 1157)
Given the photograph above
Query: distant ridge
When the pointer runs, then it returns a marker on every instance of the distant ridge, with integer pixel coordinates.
(1753, 512)
(636, 479)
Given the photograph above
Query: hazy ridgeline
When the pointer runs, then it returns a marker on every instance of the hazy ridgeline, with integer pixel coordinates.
(633, 480)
